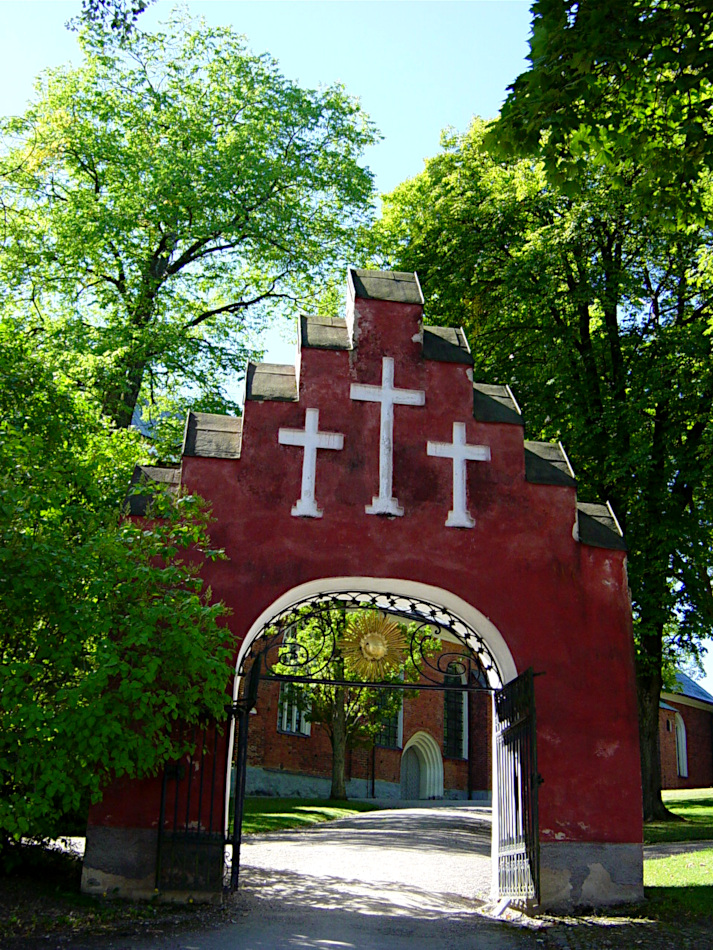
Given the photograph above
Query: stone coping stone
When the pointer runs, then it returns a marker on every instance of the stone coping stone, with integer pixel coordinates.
(598, 527)
(547, 464)
(495, 404)
(271, 381)
(394, 286)
(137, 503)
(447, 345)
(324, 333)
(209, 435)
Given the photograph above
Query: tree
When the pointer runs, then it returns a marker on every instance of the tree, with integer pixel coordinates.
(108, 636)
(157, 197)
(344, 648)
(601, 322)
(626, 86)
(117, 15)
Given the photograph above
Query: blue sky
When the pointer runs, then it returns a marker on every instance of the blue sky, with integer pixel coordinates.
(418, 67)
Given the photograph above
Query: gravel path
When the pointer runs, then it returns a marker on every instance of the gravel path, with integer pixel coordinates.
(442, 852)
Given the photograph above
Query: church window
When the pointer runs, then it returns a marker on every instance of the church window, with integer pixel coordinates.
(681, 750)
(292, 711)
(454, 714)
(390, 734)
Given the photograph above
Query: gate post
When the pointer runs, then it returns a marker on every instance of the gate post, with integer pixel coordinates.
(242, 708)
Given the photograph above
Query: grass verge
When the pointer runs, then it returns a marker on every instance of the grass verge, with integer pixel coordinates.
(680, 887)
(279, 814)
(694, 806)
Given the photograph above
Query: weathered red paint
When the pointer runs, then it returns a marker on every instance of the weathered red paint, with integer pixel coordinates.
(562, 606)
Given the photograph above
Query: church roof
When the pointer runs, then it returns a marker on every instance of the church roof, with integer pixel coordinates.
(689, 688)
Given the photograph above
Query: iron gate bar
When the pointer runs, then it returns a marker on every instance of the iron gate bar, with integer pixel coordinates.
(189, 855)
(518, 780)
(241, 710)
(368, 684)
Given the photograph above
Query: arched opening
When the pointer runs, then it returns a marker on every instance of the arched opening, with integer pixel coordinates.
(681, 748)
(421, 768)
(455, 622)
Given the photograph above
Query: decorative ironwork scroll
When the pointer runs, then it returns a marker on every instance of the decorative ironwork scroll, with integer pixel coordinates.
(365, 629)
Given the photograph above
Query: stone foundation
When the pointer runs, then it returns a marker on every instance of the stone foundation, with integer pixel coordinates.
(598, 875)
(121, 863)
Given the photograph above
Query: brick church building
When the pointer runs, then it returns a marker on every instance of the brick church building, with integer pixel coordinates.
(437, 746)
(686, 736)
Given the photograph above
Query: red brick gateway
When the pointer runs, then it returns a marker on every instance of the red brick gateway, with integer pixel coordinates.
(376, 466)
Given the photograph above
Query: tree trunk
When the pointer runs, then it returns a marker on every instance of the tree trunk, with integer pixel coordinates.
(649, 693)
(120, 399)
(339, 745)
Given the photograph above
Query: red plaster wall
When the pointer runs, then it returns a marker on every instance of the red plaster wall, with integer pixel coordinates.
(561, 606)
(699, 744)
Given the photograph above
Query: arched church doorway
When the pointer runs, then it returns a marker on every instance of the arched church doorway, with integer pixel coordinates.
(421, 768)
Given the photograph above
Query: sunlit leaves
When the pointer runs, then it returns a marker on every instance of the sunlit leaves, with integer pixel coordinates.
(108, 634)
(162, 195)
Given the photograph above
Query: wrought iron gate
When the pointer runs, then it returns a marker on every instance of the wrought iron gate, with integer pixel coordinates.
(517, 783)
(191, 840)
(191, 837)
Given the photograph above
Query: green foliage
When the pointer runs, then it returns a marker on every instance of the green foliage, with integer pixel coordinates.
(159, 196)
(601, 323)
(108, 635)
(119, 16)
(627, 87)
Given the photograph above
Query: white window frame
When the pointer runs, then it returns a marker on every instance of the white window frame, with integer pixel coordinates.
(681, 747)
(291, 720)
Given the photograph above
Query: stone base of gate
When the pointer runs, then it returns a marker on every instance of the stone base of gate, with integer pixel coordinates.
(595, 875)
(121, 863)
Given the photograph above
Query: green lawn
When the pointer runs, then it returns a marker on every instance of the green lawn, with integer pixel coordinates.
(277, 814)
(680, 886)
(695, 807)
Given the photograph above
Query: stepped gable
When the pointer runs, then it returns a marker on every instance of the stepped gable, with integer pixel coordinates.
(329, 350)
(145, 476)
(495, 404)
(270, 381)
(597, 525)
(209, 435)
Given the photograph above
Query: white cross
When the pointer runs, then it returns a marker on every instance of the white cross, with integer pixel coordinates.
(384, 503)
(460, 452)
(311, 439)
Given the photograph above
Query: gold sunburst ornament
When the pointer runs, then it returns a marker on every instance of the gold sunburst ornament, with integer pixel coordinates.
(373, 646)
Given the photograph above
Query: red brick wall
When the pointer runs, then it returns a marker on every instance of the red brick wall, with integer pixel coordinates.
(699, 743)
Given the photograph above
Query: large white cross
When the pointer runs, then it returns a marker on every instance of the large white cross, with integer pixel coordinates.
(384, 503)
(311, 439)
(460, 452)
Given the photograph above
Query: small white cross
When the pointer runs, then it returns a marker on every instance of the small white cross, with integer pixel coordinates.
(460, 452)
(384, 503)
(311, 439)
